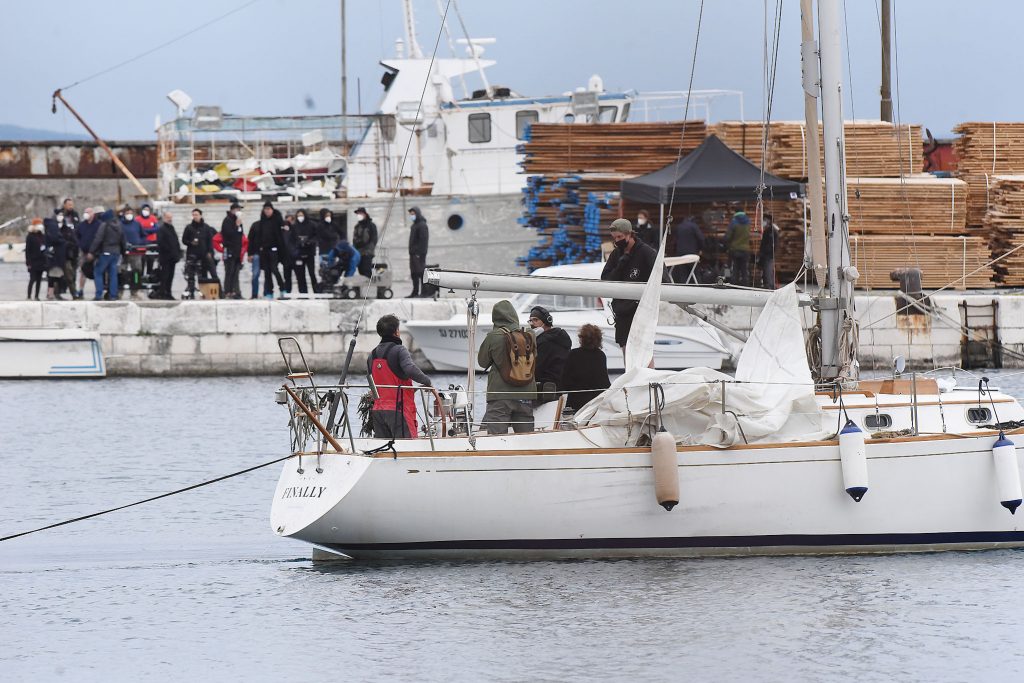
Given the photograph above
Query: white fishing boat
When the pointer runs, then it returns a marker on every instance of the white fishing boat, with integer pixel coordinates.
(40, 352)
(442, 342)
(772, 460)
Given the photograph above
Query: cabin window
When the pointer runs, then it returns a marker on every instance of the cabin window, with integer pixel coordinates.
(479, 127)
(979, 415)
(878, 421)
(625, 112)
(523, 120)
(607, 114)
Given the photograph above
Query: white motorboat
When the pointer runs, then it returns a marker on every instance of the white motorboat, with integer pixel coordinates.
(675, 346)
(772, 460)
(35, 352)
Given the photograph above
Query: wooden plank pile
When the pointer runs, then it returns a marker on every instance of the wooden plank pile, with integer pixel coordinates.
(569, 213)
(986, 149)
(873, 148)
(914, 205)
(1004, 223)
(628, 148)
(942, 260)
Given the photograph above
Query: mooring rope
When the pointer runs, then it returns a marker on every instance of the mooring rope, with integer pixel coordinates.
(146, 500)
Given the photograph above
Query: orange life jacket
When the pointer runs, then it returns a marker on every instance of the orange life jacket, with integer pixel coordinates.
(389, 396)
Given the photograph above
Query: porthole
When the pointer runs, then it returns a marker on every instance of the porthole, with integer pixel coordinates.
(878, 421)
(455, 221)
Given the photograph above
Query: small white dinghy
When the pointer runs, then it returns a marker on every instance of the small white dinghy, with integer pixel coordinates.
(47, 352)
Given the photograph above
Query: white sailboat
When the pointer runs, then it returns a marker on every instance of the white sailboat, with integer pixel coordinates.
(682, 463)
(47, 352)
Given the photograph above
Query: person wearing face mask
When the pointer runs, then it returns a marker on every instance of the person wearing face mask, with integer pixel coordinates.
(289, 257)
(35, 256)
(56, 255)
(147, 220)
(69, 231)
(86, 234)
(631, 261)
(304, 235)
(645, 230)
(132, 230)
(265, 240)
(419, 238)
(326, 232)
(231, 239)
(364, 239)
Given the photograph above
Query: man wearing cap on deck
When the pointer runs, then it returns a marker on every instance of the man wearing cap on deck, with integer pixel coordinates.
(631, 261)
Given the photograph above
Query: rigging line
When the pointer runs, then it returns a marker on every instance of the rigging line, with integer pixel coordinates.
(161, 46)
(769, 88)
(899, 145)
(686, 113)
(146, 500)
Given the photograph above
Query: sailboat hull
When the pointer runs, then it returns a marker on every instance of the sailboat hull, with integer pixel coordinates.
(926, 494)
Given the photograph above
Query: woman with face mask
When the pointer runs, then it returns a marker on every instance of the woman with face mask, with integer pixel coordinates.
(306, 242)
(632, 260)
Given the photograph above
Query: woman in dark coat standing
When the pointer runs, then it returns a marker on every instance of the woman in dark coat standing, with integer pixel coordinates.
(35, 256)
(586, 369)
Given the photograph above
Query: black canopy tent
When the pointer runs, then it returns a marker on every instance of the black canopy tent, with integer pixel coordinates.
(710, 173)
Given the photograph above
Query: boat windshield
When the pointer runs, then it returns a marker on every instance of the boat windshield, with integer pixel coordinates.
(555, 302)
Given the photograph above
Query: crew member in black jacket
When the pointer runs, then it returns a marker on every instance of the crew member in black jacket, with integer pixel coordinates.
(364, 239)
(631, 261)
(553, 344)
(198, 240)
(265, 240)
(168, 255)
(419, 239)
(231, 238)
(304, 234)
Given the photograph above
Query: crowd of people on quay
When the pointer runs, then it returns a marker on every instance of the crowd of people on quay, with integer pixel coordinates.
(137, 250)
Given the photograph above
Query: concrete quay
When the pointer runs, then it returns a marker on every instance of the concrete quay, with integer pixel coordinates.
(196, 338)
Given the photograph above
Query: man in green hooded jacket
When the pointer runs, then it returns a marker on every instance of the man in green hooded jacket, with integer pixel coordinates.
(507, 405)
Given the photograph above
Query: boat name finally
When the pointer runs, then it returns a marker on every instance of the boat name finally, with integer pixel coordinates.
(303, 492)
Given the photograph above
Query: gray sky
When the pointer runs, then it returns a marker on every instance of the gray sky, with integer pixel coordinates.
(953, 57)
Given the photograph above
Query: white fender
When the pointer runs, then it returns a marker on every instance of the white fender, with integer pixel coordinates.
(1004, 455)
(666, 470)
(854, 459)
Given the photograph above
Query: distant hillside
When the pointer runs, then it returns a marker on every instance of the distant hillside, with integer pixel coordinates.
(11, 132)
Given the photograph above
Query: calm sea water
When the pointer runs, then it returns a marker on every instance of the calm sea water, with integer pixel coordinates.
(197, 587)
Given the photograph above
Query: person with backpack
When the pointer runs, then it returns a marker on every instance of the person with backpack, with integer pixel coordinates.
(392, 369)
(509, 354)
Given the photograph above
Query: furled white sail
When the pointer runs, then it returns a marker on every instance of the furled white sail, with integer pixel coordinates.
(640, 345)
(771, 397)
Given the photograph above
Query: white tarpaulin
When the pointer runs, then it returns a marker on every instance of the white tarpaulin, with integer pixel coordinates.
(771, 397)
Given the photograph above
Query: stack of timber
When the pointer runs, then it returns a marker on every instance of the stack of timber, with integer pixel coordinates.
(986, 149)
(915, 205)
(1004, 222)
(568, 212)
(873, 148)
(942, 260)
(628, 148)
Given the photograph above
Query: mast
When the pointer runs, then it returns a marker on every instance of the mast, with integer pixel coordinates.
(414, 51)
(886, 89)
(838, 355)
(812, 87)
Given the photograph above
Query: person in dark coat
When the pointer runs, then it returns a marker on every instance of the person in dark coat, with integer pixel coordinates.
(766, 251)
(69, 231)
(266, 241)
(630, 261)
(87, 229)
(304, 234)
(231, 233)
(364, 239)
(107, 248)
(56, 255)
(35, 256)
(645, 231)
(390, 365)
(419, 239)
(553, 344)
(586, 369)
(198, 240)
(136, 239)
(689, 241)
(290, 257)
(326, 232)
(168, 255)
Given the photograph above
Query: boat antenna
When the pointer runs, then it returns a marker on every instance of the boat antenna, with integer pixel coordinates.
(473, 49)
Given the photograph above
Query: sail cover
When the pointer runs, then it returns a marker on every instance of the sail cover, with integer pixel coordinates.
(771, 398)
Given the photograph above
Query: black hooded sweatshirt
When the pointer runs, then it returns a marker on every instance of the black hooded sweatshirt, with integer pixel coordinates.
(265, 234)
(552, 349)
(419, 235)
